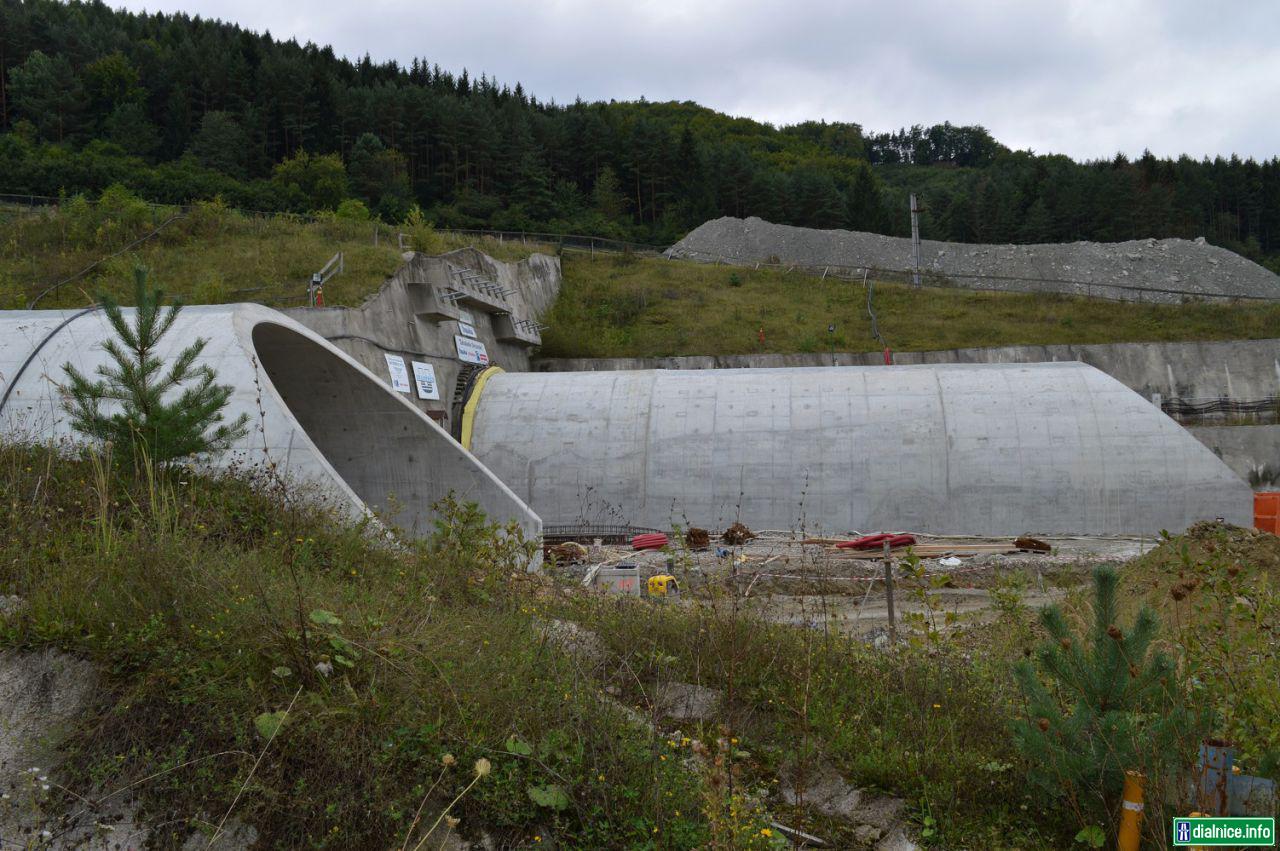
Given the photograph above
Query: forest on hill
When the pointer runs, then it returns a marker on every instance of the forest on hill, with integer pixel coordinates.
(180, 108)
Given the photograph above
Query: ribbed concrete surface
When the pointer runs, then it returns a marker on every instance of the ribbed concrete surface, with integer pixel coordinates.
(320, 417)
(969, 449)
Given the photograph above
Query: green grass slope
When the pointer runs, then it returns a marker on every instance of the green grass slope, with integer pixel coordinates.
(641, 307)
(209, 255)
(610, 305)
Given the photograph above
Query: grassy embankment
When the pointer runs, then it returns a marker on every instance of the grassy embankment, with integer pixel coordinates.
(210, 255)
(209, 602)
(631, 307)
(611, 306)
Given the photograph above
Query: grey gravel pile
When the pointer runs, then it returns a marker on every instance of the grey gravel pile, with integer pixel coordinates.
(1161, 270)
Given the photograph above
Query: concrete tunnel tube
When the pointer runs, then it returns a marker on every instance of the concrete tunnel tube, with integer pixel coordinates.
(322, 418)
(983, 449)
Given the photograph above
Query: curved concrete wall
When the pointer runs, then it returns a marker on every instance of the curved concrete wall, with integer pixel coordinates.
(982, 449)
(317, 414)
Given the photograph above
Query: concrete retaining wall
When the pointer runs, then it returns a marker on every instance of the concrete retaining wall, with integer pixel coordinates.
(405, 319)
(1237, 369)
(1252, 451)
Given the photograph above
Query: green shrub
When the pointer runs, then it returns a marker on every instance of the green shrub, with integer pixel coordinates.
(1099, 704)
(160, 415)
(353, 209)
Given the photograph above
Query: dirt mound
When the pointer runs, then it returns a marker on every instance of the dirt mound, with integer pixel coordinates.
(1120, 270)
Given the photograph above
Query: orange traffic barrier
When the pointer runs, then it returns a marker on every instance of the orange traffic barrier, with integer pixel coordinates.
(1266, 512)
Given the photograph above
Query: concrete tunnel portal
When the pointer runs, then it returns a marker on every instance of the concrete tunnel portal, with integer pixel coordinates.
(317, 415)
(384, 450)
(967, 449)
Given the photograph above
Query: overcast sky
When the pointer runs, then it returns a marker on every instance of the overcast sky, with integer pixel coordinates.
(1086, 78)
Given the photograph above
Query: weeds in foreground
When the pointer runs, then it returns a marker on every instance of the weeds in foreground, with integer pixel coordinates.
(236, 623)
(234, 605)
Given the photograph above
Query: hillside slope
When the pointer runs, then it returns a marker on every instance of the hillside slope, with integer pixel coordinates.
(635, 307)
(610, 305)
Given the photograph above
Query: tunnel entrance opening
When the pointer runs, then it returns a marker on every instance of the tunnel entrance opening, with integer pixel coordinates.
(384, 450)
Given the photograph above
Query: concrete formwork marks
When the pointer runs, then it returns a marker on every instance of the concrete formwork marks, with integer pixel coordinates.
(994, 449)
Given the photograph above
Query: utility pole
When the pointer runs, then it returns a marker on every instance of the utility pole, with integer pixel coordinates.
(915, 241)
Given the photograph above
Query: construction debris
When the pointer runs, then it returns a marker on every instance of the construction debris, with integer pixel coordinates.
(877, 542)
(1031, 545)
(652, 541)
(737, 535)
(697, 539)
(570, 552)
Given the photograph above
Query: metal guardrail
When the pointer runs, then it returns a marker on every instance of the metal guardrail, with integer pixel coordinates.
(333, 267)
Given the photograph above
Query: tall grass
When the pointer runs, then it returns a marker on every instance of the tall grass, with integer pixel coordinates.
(639, 307)
(209, 255)
(212, 604)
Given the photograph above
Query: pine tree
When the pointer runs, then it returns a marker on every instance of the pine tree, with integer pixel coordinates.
(1109, 705)
(148, 421)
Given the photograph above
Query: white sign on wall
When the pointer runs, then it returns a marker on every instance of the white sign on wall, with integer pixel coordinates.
(399, 374)
(466, 322)
(471, 351)
(424, 375)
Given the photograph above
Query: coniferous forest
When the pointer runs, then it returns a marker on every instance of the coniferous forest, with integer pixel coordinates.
(179, 108)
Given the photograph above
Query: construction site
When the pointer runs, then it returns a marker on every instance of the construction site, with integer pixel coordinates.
(887, 497)
(432, 387)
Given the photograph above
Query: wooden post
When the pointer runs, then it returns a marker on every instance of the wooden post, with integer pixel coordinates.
(888, 594)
